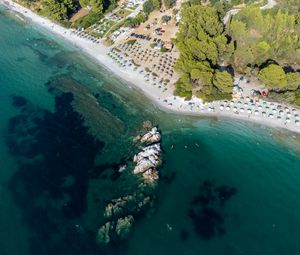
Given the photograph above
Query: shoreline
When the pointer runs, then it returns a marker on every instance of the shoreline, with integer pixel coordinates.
(271, 114)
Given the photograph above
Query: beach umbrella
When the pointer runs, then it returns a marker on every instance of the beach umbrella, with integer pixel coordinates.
(249, 111)
(271, 115)
(297, 122)
(288, 114)
(274, 111)
(278, 118)
(256, 112)
(242, 110)
(264, 114)
(288, 120)
(227, 108)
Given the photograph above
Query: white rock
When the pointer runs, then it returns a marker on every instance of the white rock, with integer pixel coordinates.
(153, 136)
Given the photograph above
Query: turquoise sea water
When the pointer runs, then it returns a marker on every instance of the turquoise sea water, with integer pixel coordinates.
(66, 125)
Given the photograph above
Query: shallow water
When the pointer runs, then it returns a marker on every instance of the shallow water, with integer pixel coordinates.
(66, 125)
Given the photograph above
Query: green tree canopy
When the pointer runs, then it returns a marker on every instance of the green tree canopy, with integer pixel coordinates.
(223, 81)
(202, 45)
(273, 76)
(148, 7)
(293, 81)
(169, 3)
(151, 5)
(267, 35)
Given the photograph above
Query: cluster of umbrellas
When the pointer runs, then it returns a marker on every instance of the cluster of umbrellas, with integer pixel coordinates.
(166, 64)
(80, 33)
(258, 108)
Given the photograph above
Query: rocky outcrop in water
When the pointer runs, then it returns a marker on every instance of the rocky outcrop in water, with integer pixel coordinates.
(115, 230)
(130, 204)
(149, 158)
(124, 226)
(153, 136)
(120, 212)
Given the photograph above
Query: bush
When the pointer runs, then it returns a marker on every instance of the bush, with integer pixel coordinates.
(214, 97)
(169, 3)
(136, 21)
(163, 49)
(297, 97)
(88, 20)
(151, 5)
(131, 42)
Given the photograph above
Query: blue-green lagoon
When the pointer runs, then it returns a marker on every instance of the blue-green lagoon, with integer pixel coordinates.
(66, 125)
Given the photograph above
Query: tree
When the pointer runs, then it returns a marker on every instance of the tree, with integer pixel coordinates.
(297, 98)
(148, 7)
(273, 76)
(237, 30)
(156, 4)
(265, 35)
(97, 6)
(293, 81)
(166, 18)
(55, 9)
(84, 3)
(202, 44)
(169, 3)
(223, 81)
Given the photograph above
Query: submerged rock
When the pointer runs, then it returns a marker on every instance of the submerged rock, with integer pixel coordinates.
(151, 176)
(147, 124)
(104, 233)
(121, 211)
(124, 226)
(119, 206)
(115, 230)
(144, 203)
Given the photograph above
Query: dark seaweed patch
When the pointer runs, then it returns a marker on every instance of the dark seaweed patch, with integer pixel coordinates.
(169, 178)
(184, 235)
(50, 147)
(207, 211)
(19, 101)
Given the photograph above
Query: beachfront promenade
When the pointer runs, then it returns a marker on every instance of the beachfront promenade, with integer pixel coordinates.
(244, 108)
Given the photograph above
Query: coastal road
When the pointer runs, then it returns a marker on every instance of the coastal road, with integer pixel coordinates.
(229, 14)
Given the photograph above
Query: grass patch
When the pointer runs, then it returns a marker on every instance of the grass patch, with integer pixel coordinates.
(131, 42)
(102, 27)
(122, 13)
(114, 28)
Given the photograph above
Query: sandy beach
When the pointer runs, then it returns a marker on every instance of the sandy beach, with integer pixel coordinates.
(262, 112)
